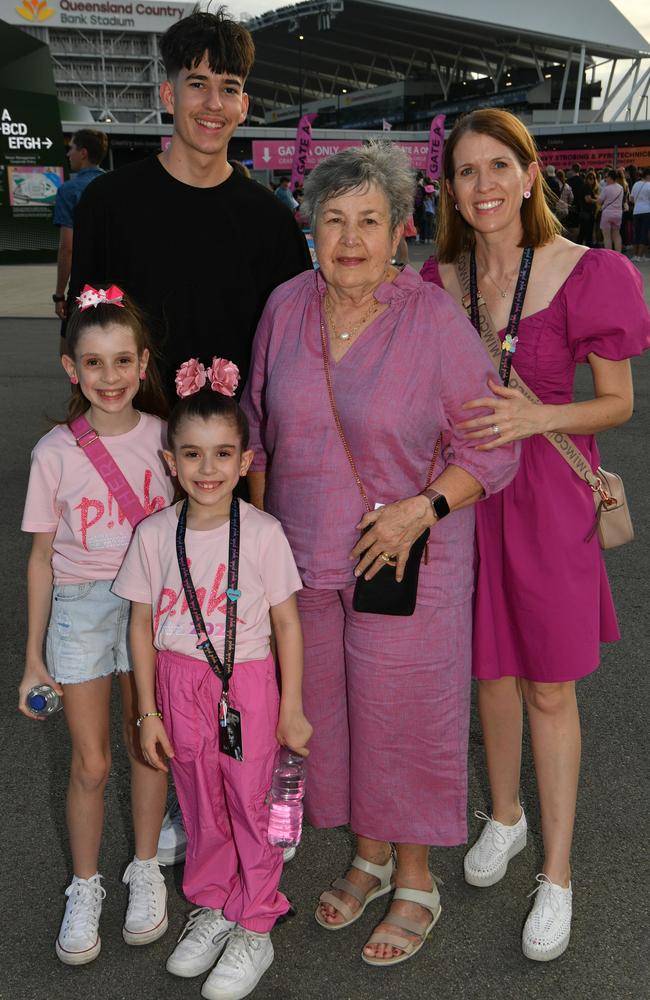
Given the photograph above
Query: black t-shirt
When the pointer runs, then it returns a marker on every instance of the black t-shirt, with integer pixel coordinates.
(577, 185)
(200, 262)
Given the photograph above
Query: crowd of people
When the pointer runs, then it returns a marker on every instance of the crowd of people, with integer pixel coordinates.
(387, 537)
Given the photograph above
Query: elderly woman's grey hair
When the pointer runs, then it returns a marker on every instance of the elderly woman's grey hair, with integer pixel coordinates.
(380, 163)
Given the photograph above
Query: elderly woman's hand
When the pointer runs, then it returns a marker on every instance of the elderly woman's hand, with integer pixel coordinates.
(513, 417)
(391, 530)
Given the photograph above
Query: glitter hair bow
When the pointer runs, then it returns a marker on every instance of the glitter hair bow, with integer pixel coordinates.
(93, 296)
(192, 376)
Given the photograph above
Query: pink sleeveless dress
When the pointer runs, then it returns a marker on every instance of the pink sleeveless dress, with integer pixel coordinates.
(543, 603)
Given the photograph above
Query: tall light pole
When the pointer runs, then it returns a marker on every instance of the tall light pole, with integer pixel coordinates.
(301, 38)
(338, 107)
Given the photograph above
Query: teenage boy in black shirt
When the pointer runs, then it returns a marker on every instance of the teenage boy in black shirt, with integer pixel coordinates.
(197, 245)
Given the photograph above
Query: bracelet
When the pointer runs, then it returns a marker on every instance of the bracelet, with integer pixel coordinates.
(147, 715)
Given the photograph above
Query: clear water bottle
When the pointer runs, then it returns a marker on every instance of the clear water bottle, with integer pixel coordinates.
(287, 791)
(43, 700)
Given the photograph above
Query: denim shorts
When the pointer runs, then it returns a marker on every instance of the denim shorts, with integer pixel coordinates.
(87, 634)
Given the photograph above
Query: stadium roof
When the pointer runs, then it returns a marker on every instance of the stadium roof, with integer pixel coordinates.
(321, 48)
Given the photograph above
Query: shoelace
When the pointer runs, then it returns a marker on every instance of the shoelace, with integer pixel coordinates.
(242, 944)
(497, 837)
(86, 897)
(142, 896)
(199, 924)
(547, 896)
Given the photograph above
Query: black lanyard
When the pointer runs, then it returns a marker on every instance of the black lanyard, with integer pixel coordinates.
(509, 343)
(225, 669)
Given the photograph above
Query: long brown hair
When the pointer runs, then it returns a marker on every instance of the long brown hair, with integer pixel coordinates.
(540, 226)
(150, 397)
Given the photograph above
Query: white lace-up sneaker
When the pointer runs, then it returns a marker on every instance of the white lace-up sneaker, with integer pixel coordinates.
(548, 927)
(146, 914)
(172, 843)
(78, 941)
(247, 957)
(200, 944)
(486, 862)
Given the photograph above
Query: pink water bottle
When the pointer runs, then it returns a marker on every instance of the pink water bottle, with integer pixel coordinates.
(287, 791)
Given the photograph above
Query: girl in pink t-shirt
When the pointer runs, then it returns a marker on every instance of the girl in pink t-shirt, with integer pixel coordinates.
(231, 871)
(80, 535)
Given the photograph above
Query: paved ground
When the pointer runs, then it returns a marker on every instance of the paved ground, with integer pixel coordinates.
(473, 953)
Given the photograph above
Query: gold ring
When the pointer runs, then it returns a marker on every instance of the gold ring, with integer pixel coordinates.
(385, 556)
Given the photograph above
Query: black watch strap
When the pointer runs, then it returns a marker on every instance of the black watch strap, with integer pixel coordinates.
(439, 504)
(58, 298)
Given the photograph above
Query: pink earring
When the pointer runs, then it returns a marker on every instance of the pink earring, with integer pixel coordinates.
(526, 194)
(143, 375)
(74, 380)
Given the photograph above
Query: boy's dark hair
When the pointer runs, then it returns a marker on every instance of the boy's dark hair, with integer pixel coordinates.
(204, 404)
(95, 143)
(229, 46)
(151, 397)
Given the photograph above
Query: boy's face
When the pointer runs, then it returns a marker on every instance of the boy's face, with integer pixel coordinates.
(207, 107)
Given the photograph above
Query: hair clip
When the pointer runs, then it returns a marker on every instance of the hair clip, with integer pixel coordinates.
(93, 296)
(192, 376)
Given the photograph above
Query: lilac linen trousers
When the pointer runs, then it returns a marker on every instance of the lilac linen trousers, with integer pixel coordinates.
(388, 697)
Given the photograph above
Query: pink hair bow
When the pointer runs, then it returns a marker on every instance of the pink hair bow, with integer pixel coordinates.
(93, 296)
(192, 376)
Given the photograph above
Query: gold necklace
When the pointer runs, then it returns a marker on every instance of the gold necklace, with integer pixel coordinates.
(501, 292)
(346, 335)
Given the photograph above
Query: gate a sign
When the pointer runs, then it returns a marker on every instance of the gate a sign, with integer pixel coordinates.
(31, 149)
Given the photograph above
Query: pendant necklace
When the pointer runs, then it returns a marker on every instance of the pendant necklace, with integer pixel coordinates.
(347, 334)
(503, 293)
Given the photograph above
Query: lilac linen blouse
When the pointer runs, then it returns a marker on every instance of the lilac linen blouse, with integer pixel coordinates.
(402, 382)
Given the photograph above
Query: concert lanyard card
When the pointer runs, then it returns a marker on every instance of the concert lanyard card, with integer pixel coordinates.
(230, 740)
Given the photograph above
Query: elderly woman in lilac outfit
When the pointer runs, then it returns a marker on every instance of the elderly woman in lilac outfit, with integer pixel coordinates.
(388, 696)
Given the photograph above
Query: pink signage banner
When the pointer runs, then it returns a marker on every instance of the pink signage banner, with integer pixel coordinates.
(433, 167)
(301, 151)
(274, 154)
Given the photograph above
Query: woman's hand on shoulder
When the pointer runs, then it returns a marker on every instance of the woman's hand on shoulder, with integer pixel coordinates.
(512, 417)
(294, 730)
(391, 531)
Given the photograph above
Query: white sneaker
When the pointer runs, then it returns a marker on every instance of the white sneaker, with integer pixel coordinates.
(202, 941)
(548, 927)
(486, 862)
(78, 941)
(172, 842)
(288, 854)
(146, 914)
(247, 957)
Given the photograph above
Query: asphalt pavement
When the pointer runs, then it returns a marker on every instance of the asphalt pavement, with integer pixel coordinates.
(473, 953)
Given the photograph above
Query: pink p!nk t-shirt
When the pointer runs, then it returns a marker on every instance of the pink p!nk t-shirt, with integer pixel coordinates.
(66, 495)
(267, 576)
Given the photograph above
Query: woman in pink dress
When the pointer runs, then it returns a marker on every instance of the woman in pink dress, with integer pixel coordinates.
(543, 603)
(388, 696)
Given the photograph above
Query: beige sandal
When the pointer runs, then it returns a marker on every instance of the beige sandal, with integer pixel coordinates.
(384, 873)
(430, 901)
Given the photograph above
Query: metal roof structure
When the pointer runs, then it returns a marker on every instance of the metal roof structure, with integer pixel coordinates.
(329, 50)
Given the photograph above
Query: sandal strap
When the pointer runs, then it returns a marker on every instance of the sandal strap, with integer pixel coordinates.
(405, 924)
(331, 900)
(429, 900)
(351, 889)
(382, 872)
(396, 940)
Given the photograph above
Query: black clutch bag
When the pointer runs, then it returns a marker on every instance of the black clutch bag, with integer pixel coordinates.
(383, 595)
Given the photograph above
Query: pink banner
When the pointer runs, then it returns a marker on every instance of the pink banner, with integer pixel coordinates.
(433, 168)
(303, 142)
(277, 154)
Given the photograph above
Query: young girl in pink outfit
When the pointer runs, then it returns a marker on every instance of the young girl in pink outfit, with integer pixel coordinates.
(80, 535)
(205, 593)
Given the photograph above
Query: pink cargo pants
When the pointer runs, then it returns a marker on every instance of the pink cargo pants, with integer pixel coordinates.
(230, 864)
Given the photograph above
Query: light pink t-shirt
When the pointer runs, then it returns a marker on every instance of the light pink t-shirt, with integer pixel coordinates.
(267, 576)
(68, 496)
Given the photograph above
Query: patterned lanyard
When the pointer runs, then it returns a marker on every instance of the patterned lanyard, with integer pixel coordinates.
(225, 669)
(509, 344)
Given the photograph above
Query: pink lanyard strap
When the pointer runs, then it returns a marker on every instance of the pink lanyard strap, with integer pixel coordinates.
(96, 453)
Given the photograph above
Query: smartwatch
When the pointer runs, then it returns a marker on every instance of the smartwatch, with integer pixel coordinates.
(58, 298)
(439, 504)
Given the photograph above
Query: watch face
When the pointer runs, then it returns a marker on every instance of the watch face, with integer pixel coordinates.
(440, 505)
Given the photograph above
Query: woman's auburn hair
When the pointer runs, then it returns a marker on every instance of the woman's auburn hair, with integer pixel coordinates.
(454, 235)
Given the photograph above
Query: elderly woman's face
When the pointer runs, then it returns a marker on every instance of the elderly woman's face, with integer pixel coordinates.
(354, 239)
(488, 183)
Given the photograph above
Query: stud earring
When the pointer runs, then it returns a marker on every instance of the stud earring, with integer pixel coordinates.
(456, 207)
(143, 375)
(74, 380)
(526, 194)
